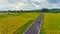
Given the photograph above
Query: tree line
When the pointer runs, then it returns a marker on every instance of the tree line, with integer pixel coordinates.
(40, 10)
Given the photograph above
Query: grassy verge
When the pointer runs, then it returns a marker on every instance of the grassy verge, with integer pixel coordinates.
(24, 27)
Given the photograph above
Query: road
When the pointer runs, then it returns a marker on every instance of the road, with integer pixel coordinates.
(35, 27)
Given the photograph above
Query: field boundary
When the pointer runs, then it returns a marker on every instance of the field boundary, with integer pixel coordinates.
(21, 27)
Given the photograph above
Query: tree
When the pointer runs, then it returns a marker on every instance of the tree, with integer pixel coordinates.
(44, 10)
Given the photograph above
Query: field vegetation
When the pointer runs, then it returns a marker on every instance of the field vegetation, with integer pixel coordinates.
(51, 23)
(11, 22)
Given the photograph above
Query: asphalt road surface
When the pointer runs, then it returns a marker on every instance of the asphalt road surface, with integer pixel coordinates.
(35, 27)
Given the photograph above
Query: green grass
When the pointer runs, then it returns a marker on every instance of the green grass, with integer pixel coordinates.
(1, 16)
(24, 27)
(51, 23)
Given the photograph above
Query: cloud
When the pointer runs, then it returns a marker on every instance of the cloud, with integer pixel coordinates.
(54, 1)
(28, 4)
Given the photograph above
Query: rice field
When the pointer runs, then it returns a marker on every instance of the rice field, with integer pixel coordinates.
(51, 23)
(10, 23)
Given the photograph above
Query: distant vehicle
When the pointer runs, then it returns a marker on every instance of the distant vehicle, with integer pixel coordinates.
(39, 22)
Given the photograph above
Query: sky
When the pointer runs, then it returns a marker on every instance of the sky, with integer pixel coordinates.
(28, 4)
